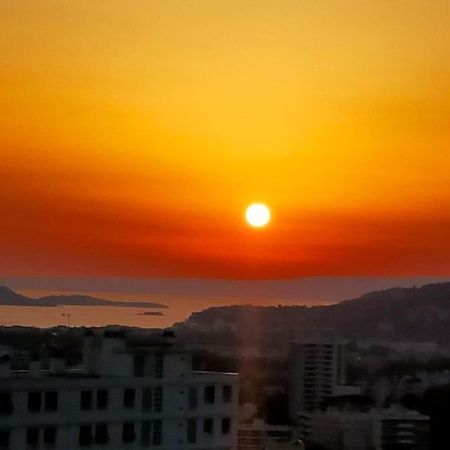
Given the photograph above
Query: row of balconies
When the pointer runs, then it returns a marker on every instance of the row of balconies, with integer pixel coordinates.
(143, 399)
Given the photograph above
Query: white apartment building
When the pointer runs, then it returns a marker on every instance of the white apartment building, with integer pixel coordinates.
(378, 429)
(317, 369)
(400, 428)
(124, 397)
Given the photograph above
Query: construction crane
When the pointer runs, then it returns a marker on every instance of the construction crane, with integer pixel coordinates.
(67, 316)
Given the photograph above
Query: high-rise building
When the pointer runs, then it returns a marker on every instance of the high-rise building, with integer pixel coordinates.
(316, 371)
(123, 397)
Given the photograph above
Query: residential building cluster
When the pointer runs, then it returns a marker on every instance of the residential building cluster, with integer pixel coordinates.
(317, 377)
(128, 395)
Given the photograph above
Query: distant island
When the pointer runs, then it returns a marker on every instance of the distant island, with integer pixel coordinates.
(10, 298)
(151, 313)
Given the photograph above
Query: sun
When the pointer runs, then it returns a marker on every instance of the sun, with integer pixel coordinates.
(257, 215)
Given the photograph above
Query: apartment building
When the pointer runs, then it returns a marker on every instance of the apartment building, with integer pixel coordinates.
(124, 396)
(400, 429)
(394, 428)
(317, 369)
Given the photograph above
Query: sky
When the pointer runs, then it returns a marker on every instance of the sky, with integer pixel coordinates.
(134, 133)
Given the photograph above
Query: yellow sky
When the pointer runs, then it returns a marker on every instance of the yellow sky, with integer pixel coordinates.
(139, 130)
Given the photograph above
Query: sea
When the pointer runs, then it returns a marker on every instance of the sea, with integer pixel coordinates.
(178, 308)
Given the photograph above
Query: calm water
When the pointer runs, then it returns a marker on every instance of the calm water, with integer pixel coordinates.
(179, 308)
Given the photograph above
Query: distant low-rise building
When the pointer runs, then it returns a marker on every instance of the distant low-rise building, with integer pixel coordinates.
(336, 430)
(395, 388)
(261, 436)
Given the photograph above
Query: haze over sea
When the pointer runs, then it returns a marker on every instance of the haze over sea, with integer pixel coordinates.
(181, 296)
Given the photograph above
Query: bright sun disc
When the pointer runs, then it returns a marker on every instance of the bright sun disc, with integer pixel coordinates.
(257, 215)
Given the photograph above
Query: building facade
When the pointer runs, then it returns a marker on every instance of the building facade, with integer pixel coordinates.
(337, 430)
(400, 430)
(123, 397)
(378, 429)
(261, 436)
(316, 371)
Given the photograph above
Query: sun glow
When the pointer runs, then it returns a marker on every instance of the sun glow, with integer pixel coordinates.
(257, 215)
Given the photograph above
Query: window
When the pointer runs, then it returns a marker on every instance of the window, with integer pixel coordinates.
(86, 400)
(210, 394)
(159, 365)
(192, 398)
(34, 402)
(138, 365)
(4, 439)
(147, 400)
(50, 436)
(158, 399)
(51, 401)
(227, 394)
(128, 433)
(192, 431)
(102, 399)
(226, 425)
(128, 398)
(6, 405)
(33, 437)
(157, 432)
(146, 433)
(208, 426)
(101, 434)
(85, 435)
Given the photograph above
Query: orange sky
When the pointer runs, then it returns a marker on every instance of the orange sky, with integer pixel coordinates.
(134, 133)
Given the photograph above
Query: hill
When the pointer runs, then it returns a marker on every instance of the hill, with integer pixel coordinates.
(400, 314)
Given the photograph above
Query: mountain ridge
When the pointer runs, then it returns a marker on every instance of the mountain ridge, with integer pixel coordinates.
(410, 314)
